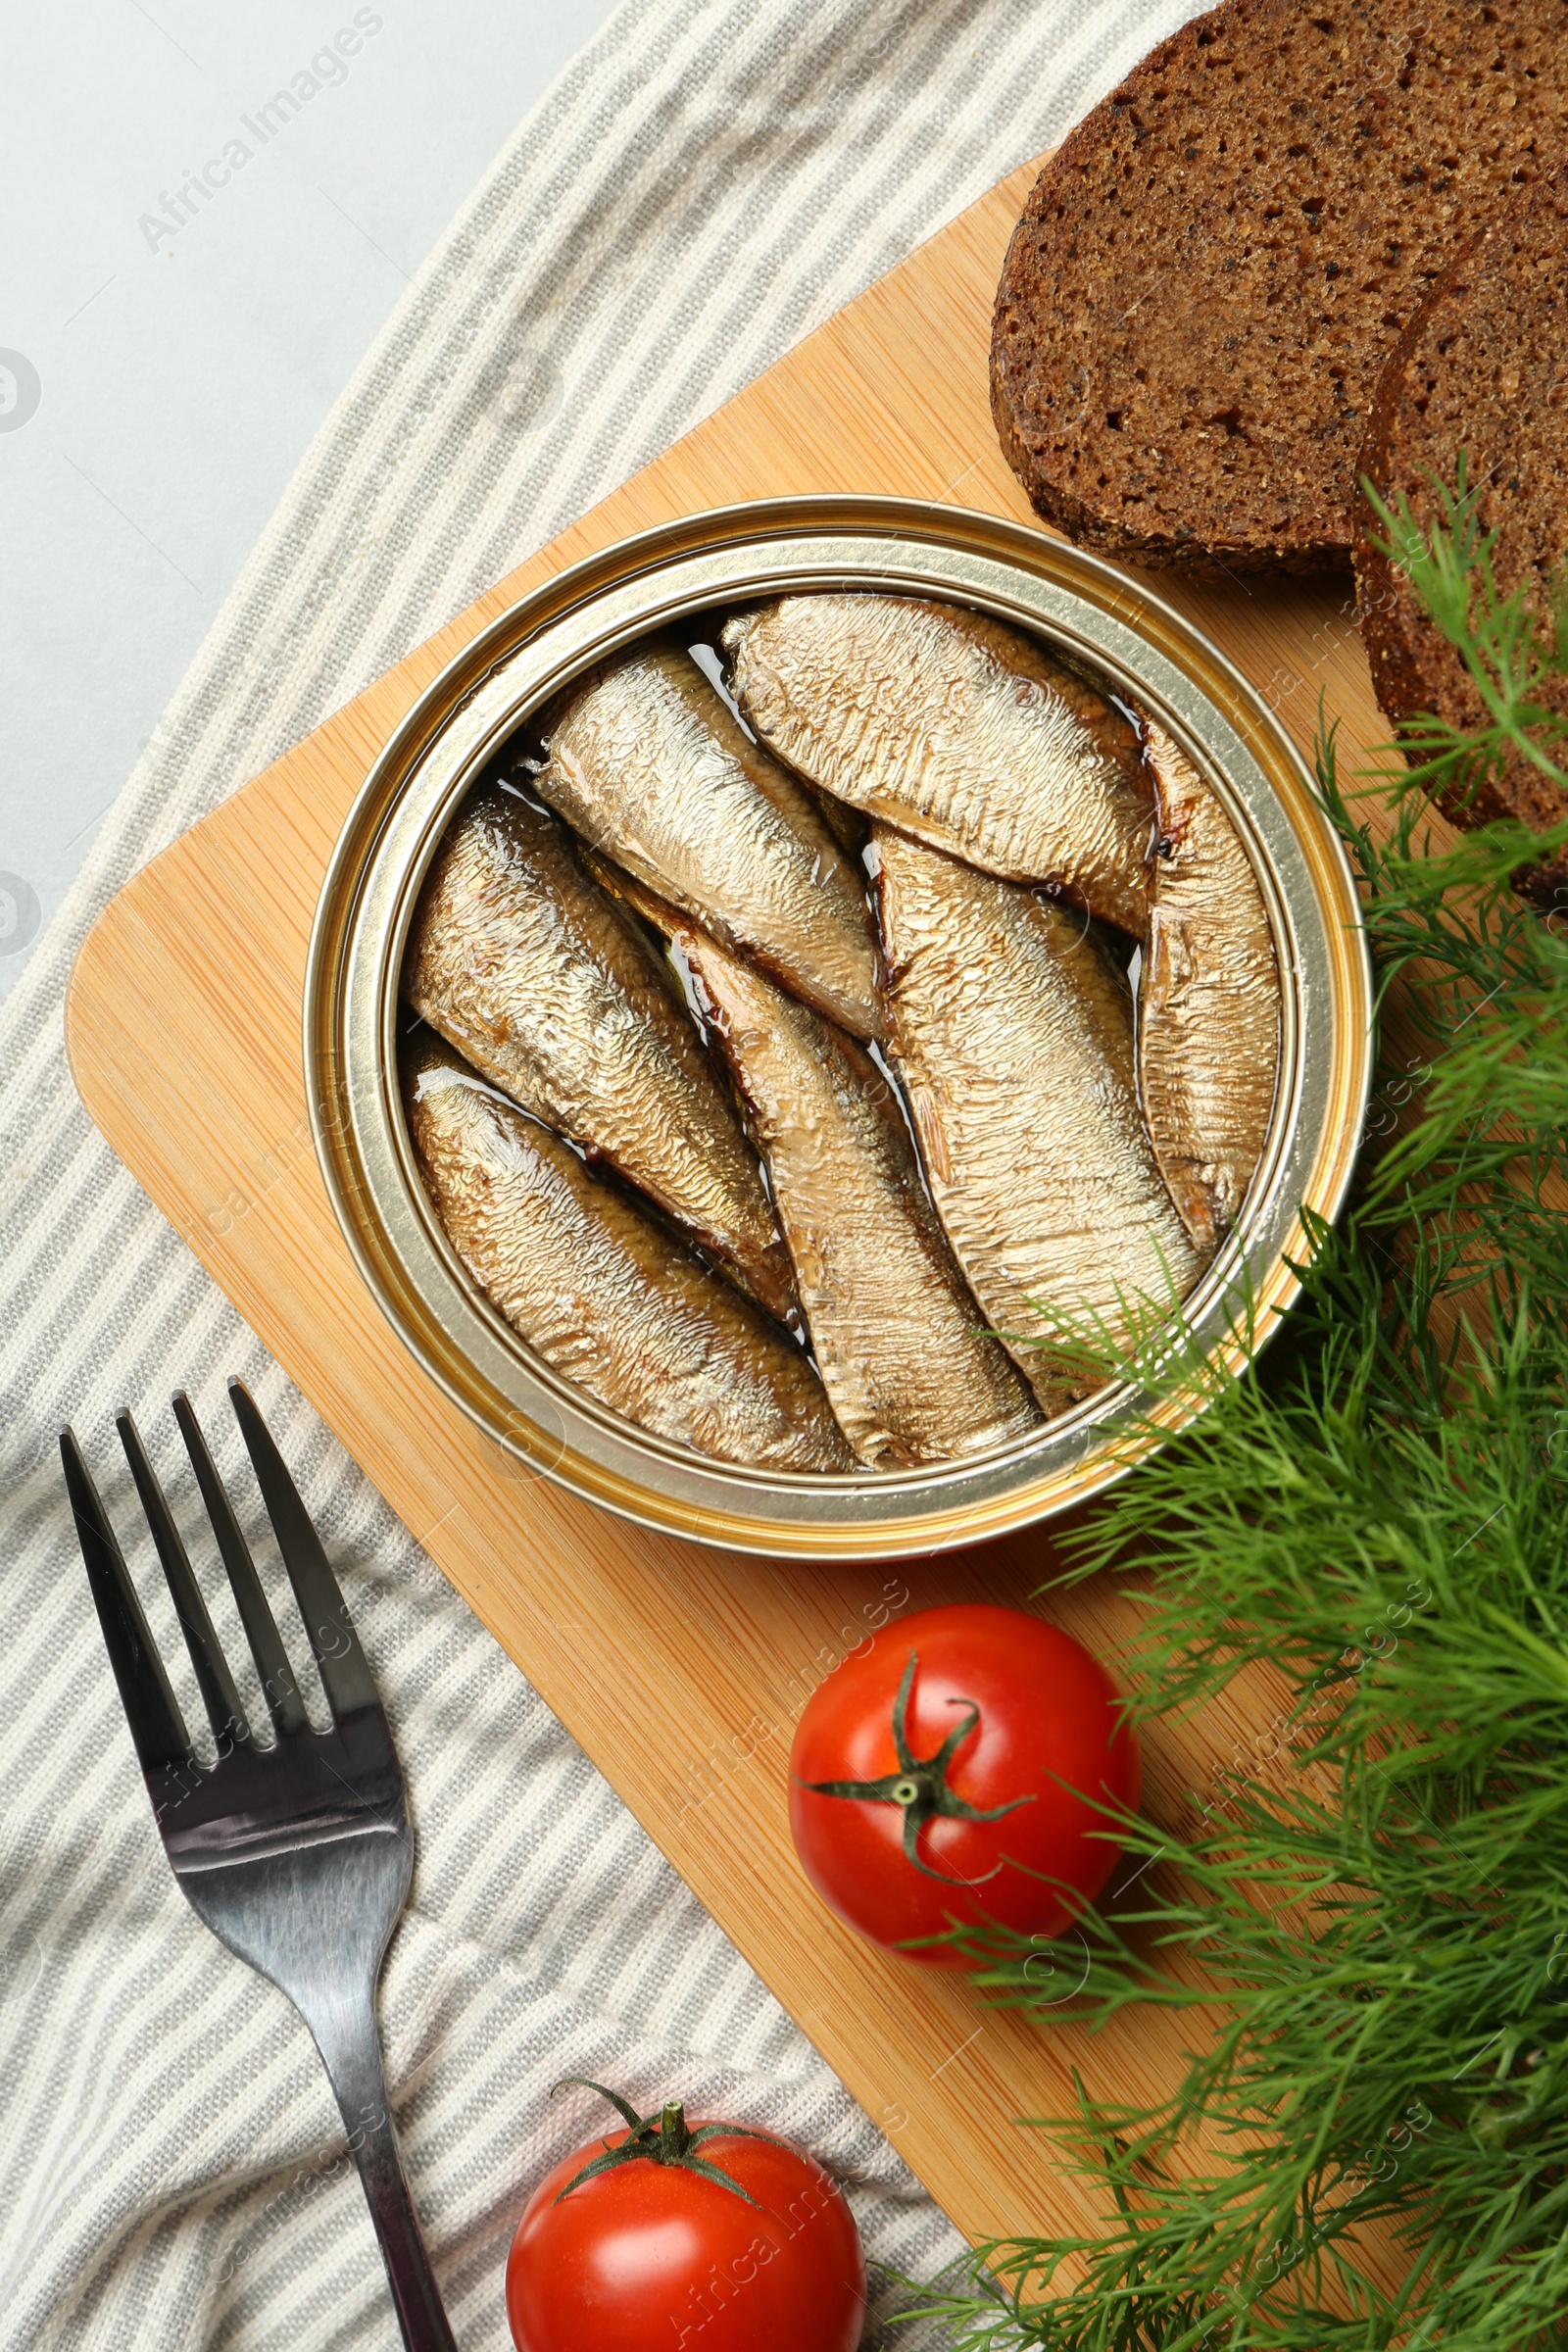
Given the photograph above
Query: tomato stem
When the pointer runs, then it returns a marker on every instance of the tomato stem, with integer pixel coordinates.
(662, 2138)
(920, 1783)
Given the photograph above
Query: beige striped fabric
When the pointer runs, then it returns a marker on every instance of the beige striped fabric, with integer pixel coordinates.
(707, 181)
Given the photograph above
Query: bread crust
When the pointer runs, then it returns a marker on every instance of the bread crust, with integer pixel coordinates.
(1211, 271)
(1482, 369)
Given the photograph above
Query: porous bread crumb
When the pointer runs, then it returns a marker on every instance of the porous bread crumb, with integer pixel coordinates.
(1214, 268)
(1482, 370)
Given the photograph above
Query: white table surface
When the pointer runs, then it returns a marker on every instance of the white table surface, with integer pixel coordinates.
(166, 355)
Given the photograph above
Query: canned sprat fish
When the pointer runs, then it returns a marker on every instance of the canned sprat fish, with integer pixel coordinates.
(845, 627)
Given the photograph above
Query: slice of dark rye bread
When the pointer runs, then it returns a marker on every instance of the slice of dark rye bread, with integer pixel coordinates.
(1214, 266)
(1482, 368)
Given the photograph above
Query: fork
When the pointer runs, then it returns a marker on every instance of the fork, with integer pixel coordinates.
(298, 1855)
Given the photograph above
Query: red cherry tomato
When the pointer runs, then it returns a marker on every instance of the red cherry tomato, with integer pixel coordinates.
(653, 2249)
(955, 1769)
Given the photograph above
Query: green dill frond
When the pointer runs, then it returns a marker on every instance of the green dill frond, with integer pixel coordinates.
(1378, 1898)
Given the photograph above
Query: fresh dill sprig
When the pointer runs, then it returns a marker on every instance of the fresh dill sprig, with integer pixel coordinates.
(1379, 1898)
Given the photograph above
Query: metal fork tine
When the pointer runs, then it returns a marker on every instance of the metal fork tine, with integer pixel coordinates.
(280, 1687)
(224, 1710)
(150, 1709)
(345, 1674)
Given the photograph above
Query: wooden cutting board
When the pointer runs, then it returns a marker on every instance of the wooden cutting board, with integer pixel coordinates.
(680, 1671)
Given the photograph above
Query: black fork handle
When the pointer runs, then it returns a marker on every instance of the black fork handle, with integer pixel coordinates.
(346, 2035)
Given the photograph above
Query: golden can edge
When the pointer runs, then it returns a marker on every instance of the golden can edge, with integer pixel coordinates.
(1110, 621)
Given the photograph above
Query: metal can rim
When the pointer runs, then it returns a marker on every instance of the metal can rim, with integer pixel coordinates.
(541, 1427)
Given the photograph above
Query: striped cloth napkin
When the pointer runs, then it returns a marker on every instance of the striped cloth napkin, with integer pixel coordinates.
(708, 181)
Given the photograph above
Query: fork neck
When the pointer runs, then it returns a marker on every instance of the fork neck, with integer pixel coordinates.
(352, 2059)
